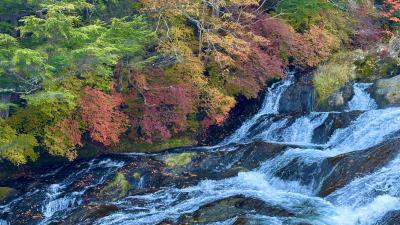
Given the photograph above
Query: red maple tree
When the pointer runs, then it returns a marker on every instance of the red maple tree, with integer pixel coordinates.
(104, 120)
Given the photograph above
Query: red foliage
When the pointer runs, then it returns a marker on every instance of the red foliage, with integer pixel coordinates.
(70, 128)
(391, 8)
(164, 111)
(307, 49)
(367, 30)
(101, 113)
(206, 123)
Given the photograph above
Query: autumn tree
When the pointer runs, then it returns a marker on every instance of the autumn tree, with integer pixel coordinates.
(101, 114)
(63, 138)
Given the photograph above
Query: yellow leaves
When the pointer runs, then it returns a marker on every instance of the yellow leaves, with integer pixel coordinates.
(244, 2)
(17, 149)
(217, 103)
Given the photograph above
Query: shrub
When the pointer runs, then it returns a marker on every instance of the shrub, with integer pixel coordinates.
(302, 14)
(102, 116)
(331, 77)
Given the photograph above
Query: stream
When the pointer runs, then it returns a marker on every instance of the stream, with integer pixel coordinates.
(339, 168)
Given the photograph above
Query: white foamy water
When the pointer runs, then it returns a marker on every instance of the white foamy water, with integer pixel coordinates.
(289, 181)
(370, 128)
(270, 106)
(362, 99)
(362, 202)
(58, 199)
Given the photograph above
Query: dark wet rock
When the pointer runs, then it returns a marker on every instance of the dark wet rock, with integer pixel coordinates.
(223, 164)
(144, 174)
(266, 121)
(231, 207)
(6, 194)
(333, 122)
(386, 92)
(330, 174)
(390, 218)
(220, 164)
(243, 109)
(87, 214)
(338, 171)
(298, 98)
(338, 100)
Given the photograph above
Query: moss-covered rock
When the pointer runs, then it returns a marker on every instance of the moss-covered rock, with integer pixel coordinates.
(330, 78)
(338, 100)
(5, 192)
(386, 92)
(179, 160)
(127, 145)
(118, 188)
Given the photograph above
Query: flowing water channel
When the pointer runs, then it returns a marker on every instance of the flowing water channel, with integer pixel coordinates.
(278, 182)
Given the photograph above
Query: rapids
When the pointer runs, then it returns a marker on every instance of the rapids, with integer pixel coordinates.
(364, 200)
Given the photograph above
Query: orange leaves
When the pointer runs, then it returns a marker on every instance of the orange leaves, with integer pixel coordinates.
(392, 8)
(102, 116)
(62, 138)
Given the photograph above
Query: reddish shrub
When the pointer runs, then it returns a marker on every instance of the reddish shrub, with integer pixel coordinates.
(101, 113)
(164, 111)
(367, 29)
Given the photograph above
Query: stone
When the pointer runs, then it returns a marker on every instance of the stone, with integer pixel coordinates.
(231, 207)
(338, 100)
(298, 98)
(386, 92)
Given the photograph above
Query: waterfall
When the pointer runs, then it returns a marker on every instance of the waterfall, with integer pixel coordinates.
(270, 106)
(289, 180)
(362, 99)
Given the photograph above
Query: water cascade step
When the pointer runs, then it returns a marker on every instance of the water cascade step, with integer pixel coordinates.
(319, 168)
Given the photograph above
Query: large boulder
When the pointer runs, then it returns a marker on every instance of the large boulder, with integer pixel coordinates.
(386, 92)
(298, 98)
(232, 207)
(338, 100)
(88, 214)
(332, 173)
(333, 122)
(342, 169)
(182, 168)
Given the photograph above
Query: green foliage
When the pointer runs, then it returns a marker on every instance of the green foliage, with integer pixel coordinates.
(128, 36)
(302, 14)
(332, 76)
(366, 67)
(30, 63)
(54, 105)
(16, 148)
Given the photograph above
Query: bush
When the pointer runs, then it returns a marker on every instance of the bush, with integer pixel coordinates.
(302, 14)
(331, 77)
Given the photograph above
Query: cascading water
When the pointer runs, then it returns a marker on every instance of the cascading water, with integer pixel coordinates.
(290, 180)
(270, 106)
(362, 99)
